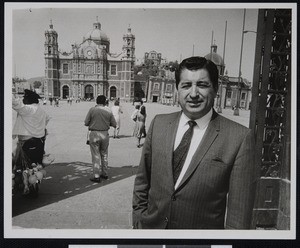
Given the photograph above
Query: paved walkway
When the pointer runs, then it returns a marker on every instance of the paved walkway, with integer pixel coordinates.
(67, 199)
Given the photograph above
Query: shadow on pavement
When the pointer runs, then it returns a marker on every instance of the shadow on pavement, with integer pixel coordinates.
(64, 180)
(121, 136)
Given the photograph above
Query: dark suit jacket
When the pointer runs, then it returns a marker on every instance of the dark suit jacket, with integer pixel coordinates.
(222, 173)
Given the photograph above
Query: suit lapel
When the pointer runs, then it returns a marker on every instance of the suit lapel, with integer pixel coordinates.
(171, 130)
(207, 140)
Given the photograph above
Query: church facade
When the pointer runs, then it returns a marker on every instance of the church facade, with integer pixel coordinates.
(89, 69)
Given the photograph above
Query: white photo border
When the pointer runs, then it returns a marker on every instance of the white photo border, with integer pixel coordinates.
(10, 232)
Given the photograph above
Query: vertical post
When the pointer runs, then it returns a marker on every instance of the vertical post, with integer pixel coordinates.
(150, 89)
(193, 49)
(212, 38)
(236, 110)
(219, 110)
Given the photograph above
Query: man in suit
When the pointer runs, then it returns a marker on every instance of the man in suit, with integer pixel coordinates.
(197, 169)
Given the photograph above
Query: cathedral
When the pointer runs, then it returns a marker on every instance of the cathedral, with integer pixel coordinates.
(89, 69)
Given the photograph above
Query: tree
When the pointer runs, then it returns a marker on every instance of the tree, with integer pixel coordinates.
(36, 84)
(173, 65)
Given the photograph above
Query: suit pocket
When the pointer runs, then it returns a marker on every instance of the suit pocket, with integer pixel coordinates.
(214, 165)
(216, 162)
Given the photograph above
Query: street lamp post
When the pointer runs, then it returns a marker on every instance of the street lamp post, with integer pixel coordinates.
(219, 110)
(236, 110)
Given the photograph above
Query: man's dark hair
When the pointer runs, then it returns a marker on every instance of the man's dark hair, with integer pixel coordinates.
(143, 110)
(196, 63)
(101, 99)
(30, 97)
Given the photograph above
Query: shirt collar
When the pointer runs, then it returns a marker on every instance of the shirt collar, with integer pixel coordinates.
(201, 122)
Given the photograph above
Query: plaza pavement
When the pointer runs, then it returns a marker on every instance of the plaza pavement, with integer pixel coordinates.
(67, 198)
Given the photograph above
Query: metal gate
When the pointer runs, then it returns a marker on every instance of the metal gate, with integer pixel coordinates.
(271, 118)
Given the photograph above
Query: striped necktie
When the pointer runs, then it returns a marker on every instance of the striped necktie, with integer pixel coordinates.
(179, 155)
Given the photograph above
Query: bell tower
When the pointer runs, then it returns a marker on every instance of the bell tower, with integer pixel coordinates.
(51, 45)
(128, 59)
(128, 45)
(52, 88)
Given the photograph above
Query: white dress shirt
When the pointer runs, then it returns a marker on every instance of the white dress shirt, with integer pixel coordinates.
(198, 134)
(31, 119)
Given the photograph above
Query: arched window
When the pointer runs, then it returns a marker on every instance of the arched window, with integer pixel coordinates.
(113, 92)
(65, 92)
(89, 92)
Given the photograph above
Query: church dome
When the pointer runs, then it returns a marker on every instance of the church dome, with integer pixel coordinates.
(214, 57)
(97, 34)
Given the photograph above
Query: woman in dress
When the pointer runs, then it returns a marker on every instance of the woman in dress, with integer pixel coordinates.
(116, 110)
(140, 124)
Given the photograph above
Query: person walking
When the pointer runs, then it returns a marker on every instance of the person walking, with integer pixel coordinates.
(99, 119)
(116, 110)
(140, 124)
(134, 117)
(56, 102)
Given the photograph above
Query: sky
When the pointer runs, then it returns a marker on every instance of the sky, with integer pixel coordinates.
(175, 31)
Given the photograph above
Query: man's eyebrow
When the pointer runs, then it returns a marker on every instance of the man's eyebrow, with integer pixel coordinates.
(203, 81)
(198, 82)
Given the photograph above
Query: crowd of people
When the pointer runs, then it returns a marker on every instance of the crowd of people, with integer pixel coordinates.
(31, 120)
(99, 119)
(54, 101)
(190, 176)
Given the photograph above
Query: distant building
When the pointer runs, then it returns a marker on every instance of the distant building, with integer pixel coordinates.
(230, 93)
(162, 88)
(229, 87)
(152, 60)
(156, 80)
(89, 69)
(216, 58)
(161, 85)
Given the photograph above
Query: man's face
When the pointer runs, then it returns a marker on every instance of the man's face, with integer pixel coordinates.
(195, 93)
